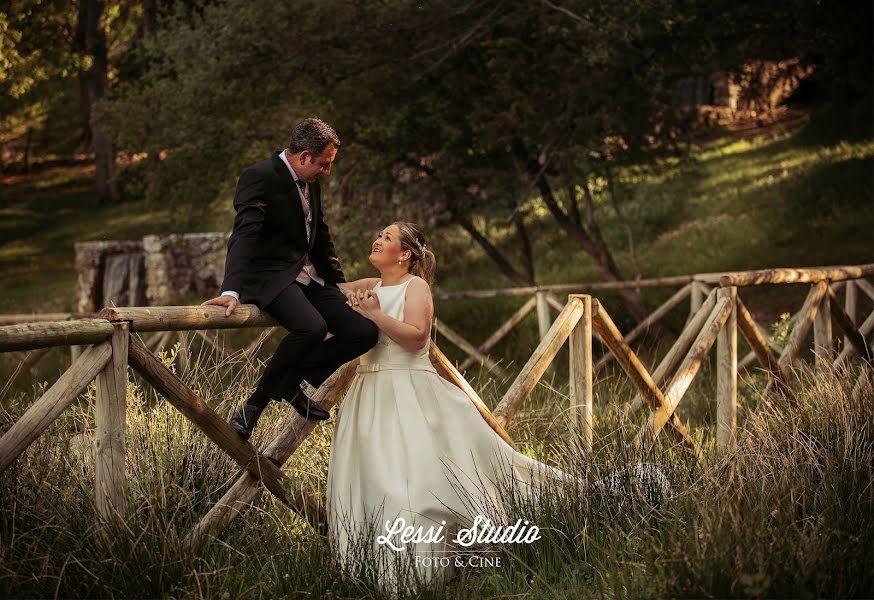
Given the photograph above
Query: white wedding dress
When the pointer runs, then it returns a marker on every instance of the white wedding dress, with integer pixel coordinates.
(410, 444)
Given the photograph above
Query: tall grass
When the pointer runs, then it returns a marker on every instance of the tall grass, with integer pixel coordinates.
(785, 513)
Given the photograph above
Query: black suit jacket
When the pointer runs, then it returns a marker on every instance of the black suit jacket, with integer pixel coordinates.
(267, 247)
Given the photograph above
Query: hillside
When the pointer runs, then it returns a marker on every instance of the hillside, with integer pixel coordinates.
(794, 194)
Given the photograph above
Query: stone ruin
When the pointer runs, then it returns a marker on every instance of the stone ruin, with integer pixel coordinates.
(160, 269)
(756, 92)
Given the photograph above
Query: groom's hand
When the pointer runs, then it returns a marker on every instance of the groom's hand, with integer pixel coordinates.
(227, 301)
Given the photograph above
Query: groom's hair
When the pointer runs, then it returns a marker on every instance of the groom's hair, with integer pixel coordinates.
(314, 135)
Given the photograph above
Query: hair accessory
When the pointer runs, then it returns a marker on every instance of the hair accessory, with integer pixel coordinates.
(420, 245)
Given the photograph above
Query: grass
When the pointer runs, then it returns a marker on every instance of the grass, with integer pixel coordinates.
(785, 513)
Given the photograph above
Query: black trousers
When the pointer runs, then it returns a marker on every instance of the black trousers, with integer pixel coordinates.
(309, 312)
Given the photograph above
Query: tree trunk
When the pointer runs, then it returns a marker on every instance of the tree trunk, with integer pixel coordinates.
(79, 47)
(523, 279)
(590, 241)
(96, 82)
(492, 251)
(525, 243)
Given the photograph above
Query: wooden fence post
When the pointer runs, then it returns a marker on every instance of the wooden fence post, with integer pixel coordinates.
(726, 374)
(581, 400)
(696, 298)
(822, 333)
(543, 321)
(851, 305)
(538, 362)
(110, 484)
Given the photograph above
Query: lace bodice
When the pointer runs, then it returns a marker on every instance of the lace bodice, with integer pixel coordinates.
(387, 353)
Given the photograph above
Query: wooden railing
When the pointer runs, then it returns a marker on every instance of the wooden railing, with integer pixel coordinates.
(693, 288)
(114, 343)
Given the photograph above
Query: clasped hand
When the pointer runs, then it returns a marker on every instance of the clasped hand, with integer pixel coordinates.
(364, 302)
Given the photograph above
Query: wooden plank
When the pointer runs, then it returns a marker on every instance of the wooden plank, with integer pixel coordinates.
(30, 336)
(639, 376)
(648, 322)
(804, 319)
(751, 357)
(851, 306)
(38, 317)
(554, 302)
(218, 430)
(448, 372)
(539, 361)
(580, 372)
(857, 340)
(186, 318)
(866, 287)
(835, 273)
(802, 328)
(865, 330)
(467, 347)
(696, 298)
(110, 480)
(761, 350)
(726, 374)
(678, 351)
(503, 330)
(295, 428)
(682, 379)
(56, 399)
(822, 333)
(543, 322)
(814, 275)
(574, 288)
(558, 305)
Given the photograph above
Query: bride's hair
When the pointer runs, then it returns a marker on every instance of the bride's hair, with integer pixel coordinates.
(422, 261)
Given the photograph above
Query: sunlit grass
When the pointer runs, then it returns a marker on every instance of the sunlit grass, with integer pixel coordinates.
(785, 513)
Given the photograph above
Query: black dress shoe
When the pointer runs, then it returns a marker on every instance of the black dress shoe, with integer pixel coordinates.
(245, 419)
(307, 408)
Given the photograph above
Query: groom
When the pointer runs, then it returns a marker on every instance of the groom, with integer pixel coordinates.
(280, 257)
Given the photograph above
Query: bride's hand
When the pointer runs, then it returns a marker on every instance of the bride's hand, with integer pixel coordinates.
(365, 303)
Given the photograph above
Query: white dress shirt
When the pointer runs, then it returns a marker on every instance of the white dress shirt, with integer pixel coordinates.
(308, 272)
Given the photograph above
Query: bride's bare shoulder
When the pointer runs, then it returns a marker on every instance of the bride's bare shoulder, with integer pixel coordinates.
(418, 290)
(419, 284)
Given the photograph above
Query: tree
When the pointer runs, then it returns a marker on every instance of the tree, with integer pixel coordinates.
(473, 112)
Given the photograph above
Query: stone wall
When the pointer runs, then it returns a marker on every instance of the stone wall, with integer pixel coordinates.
(122, 261)
(160, 269)
(183, 265)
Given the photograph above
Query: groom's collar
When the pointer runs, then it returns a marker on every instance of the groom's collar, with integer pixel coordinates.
(283, 156)
(282, 168)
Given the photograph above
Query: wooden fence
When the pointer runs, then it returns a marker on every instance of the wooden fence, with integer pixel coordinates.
(113, 343)
(692, 289)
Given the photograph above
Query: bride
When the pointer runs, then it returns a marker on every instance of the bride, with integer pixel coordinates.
(412, 459)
